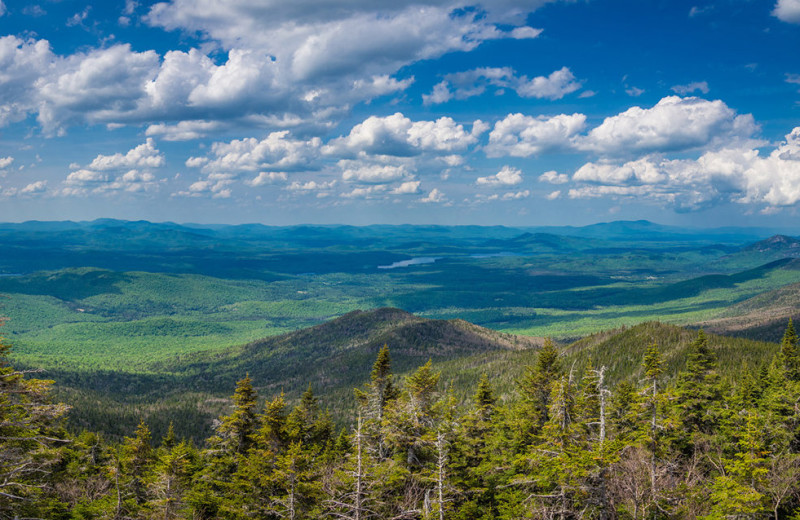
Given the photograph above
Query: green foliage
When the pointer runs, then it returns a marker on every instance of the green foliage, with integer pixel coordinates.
(594, 454)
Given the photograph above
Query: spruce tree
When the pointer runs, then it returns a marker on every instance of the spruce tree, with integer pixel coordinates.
(535, 389)
(236, 430)
(373, 399)
(789, 355)
(698, 388)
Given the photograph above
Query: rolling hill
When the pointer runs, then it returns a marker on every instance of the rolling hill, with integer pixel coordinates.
(333, 357)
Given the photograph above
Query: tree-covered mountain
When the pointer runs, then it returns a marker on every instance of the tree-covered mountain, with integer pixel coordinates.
(681, 432)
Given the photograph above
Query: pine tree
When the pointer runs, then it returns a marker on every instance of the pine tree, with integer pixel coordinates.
(272, 434)
(29, 438)
(698, 389)
(535, 389)
(789, 355)
(236, 430)
(134, 471)
(653, 365)
(172, 481)
(374, 398)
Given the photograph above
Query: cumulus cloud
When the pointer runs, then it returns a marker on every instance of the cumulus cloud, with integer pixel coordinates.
(738, 174)
(407, 188)
(434, 197)
(525, 33)
(184, 130)
(519, 135)
(555, 86)
(143, 156)
(673, 124)
(507, 176)
(365, 192)
(375, 174)
(268, 178)
(277, 152)
(397, 135)
(463, 85)
(516, 195)
(320, 38)
(5, 162)
(696, 86)
(787, 11)
(34, 188)
(116, 173)
(553, 177)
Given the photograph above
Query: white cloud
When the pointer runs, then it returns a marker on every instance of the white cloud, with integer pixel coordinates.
(183, 131)
(517, 195)
(311, 186)
(554, 177)
(553, 195)
(5, 162)
(34, 188)
(407, 188)
(315, 39)
(116, 173)
(787, 10)
(78, 18)
(738, 174)
(474, 82)
(525, 33)
(278, 152)
(440, 94)
(2, 8)
(23, 62)
(367, 192)
(143, 156)
(434, 197)
(696, 86)
(507, 176)
(793, 78)
(641, 171)
(215, 187)
(375, 174)
(268, 178)
(555, 86)
(397, 135)
(519, 135)
(83, 177)
(673, 124)
(104, 85)
(301, 61)
(634, 91)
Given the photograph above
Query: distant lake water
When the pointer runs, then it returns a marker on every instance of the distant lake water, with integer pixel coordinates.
(431, 259)
(413, 261)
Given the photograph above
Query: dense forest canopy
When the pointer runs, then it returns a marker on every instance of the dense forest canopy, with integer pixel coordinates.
(564, 445)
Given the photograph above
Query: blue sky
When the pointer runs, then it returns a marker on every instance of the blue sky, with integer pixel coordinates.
(524, 112)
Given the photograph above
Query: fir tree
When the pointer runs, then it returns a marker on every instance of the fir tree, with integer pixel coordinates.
(789, 355)
(236, 430)
(535, 390)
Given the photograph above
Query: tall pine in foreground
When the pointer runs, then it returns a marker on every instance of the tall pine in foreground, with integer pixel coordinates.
(29, 439)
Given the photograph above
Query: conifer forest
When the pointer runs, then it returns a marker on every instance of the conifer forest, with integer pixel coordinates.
(561, 445)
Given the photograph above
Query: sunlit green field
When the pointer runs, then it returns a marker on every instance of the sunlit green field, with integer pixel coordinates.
(125, 321)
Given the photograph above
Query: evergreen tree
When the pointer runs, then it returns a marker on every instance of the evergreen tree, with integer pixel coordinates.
(789, 355)
(698, 389)
(29, 438)
(236, 430)
(535, 390)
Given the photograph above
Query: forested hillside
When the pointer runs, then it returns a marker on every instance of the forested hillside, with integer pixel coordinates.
(565, 443)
